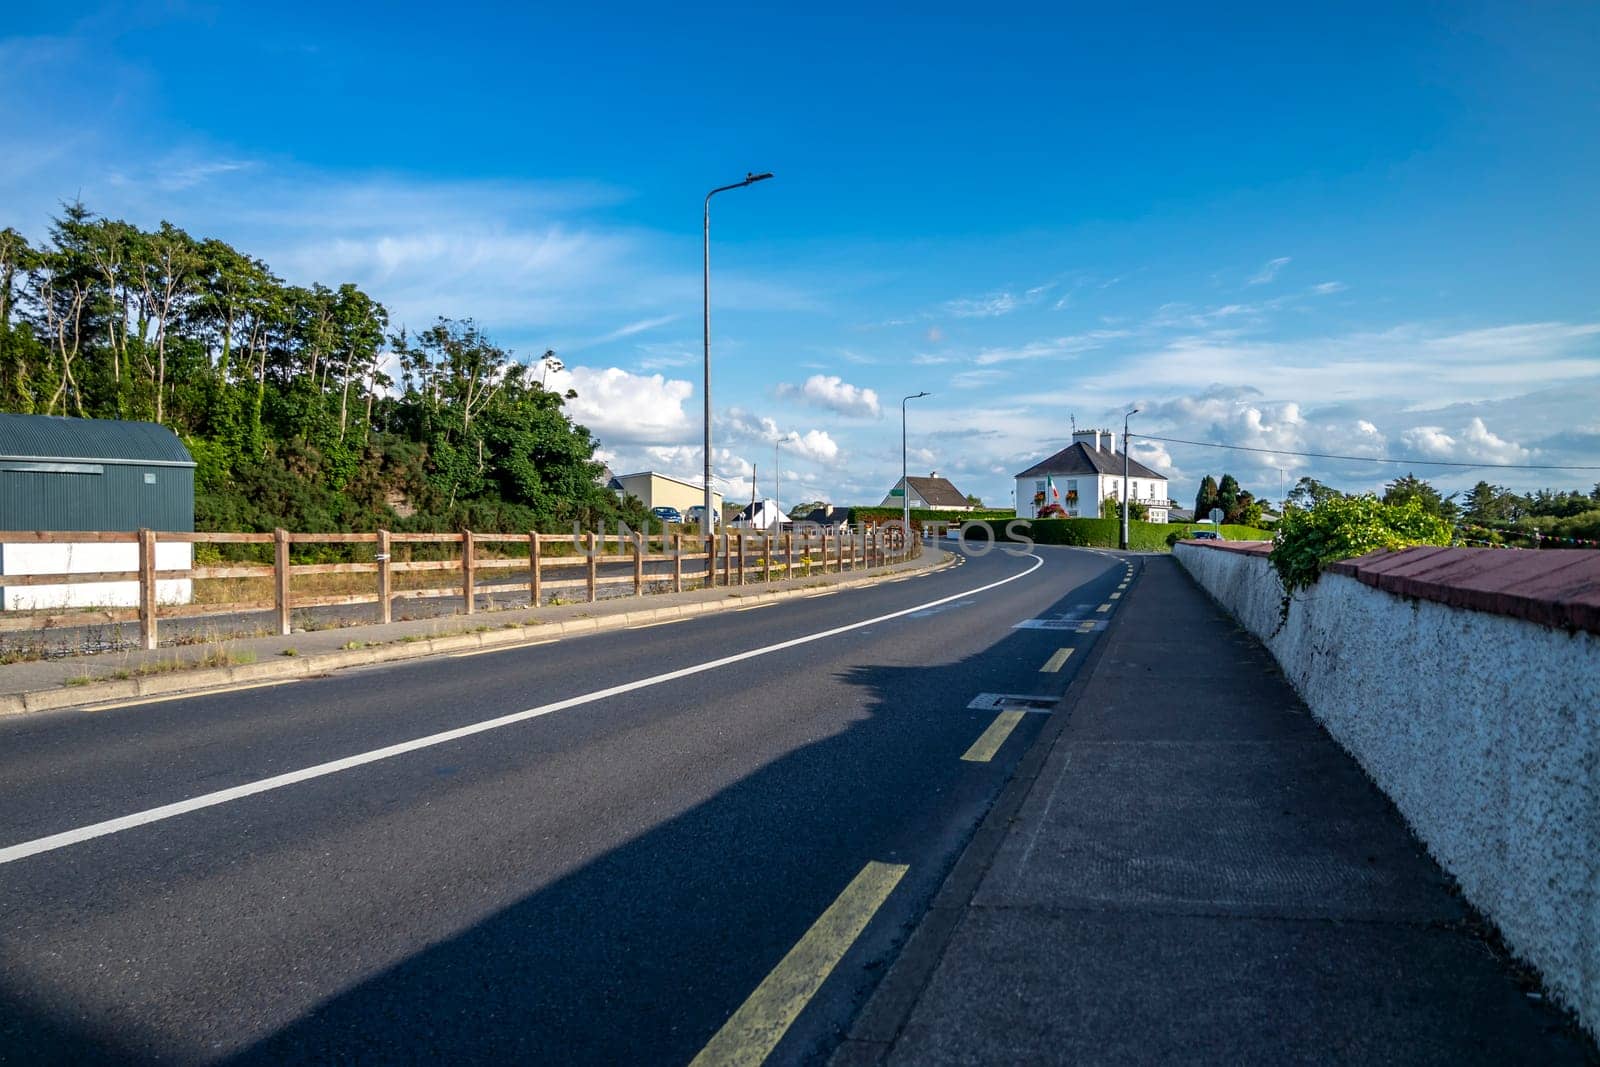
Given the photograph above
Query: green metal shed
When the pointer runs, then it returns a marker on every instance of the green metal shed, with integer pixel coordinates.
(93, 474)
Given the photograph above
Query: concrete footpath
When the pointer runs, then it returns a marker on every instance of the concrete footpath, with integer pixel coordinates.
(1189, 869)
(80, 681)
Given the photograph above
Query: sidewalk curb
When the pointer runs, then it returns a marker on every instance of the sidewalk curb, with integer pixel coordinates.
(877, 1026)
(201, 680)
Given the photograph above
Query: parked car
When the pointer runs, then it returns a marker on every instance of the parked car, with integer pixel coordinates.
(667, 514)
(696, 516)
(1207, 535)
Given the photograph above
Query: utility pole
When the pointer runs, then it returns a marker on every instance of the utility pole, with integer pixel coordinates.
(1125, 418)
(905, 481)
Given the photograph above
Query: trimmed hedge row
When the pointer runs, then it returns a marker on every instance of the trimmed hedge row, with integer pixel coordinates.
(1106, 533)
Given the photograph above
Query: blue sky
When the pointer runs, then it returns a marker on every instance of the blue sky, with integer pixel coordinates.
(1363, 231)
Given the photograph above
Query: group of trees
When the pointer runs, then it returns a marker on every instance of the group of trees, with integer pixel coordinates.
(300, 407)
(1239, 506)
(1486, 512)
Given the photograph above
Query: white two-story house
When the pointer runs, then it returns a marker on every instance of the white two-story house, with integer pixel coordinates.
(1085, 473)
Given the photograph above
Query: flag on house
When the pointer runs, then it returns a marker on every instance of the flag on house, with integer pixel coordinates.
(1054, 494)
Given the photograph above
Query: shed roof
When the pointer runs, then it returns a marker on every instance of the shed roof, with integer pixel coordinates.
(48, 437)
(1079, 458)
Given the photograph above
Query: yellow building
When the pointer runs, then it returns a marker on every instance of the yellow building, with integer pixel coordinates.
(661, 491)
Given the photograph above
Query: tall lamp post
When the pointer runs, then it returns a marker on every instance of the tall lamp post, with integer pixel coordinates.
(708, 524)
(905, 485)
(1125, 418)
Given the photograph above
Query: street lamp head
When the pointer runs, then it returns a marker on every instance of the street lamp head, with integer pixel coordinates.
(751, 179)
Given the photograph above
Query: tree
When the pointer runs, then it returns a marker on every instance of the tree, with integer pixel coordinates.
(974, 501)
(1487, 503)
(1409, 488)
(1206, 498)
(1228, 498)
(1308, 493)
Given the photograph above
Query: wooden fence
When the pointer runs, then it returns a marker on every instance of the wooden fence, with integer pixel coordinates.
(590, 562)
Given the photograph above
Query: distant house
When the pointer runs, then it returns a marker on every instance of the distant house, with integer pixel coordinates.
(662, 491)
(761, 515)
(828, 517)
(1087, 472)
(932, 493)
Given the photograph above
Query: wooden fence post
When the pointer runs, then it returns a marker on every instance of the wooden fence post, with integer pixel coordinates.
(711, 560)
(535, 579)
(147, 588)
(469, 571)
(677, 563)
(766, 554)
(727, 560)
(385, 583)
(280, 576)
(788, 552)
(741, 558)
(639, 546)
(842, 539)
(594, 565)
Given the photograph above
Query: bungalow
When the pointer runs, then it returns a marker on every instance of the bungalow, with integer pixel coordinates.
(760, 515)
(931, 493)
(1085, 473)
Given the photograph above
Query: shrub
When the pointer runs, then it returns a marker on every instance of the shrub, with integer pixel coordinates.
(1343, 528)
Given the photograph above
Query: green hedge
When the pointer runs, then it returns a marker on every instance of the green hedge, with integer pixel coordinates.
(922, 515)
(1106, 533)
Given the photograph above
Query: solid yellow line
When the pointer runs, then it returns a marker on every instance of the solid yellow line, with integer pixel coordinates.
(989, 742)
(1057, 660)
(190, 696)
(1103, 607)
(501, 648)
(752, 1032)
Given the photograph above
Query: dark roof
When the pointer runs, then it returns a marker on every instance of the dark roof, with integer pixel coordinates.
(49, 437)
(938, 492)
(1079, 458)
(828, 516)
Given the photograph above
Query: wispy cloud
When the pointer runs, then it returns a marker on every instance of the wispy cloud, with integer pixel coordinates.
(1269, 272)
(1053, 348)
(993, 305)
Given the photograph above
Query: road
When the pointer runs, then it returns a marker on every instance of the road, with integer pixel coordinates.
(594, 851)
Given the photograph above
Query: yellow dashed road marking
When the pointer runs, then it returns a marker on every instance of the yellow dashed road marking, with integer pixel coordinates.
(752, 1032)
(989, 742)
(1057, 660)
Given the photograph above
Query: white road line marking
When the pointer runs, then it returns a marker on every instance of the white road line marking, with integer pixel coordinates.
(50, 843)
(502, 648)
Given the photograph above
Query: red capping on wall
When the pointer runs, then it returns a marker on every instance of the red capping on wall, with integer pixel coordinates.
(1557, 587)
(1249, 548)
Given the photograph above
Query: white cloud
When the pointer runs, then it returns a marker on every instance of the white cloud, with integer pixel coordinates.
(620, 406)
(834, 393)
(1329, 288)
(1269, 272)
(1471, 442)
(994, 305)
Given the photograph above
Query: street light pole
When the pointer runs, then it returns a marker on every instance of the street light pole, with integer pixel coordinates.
(708, 523)
(1125, 418)
(905, 482)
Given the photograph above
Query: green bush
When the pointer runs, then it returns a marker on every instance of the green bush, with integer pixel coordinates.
(1346, 527)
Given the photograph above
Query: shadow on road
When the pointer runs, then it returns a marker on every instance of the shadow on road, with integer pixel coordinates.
(643, 952)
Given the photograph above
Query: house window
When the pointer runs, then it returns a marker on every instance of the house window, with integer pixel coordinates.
(1038, 487)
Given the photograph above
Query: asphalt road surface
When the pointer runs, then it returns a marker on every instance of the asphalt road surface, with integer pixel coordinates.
(707, 836)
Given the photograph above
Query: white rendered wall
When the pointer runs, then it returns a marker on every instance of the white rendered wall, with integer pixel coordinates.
(88, 558)
(1483, 729)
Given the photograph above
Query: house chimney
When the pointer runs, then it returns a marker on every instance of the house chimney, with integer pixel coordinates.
(1088, 437)
(1111, 441)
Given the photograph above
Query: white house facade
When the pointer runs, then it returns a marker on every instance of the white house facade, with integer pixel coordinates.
(1086, 473)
